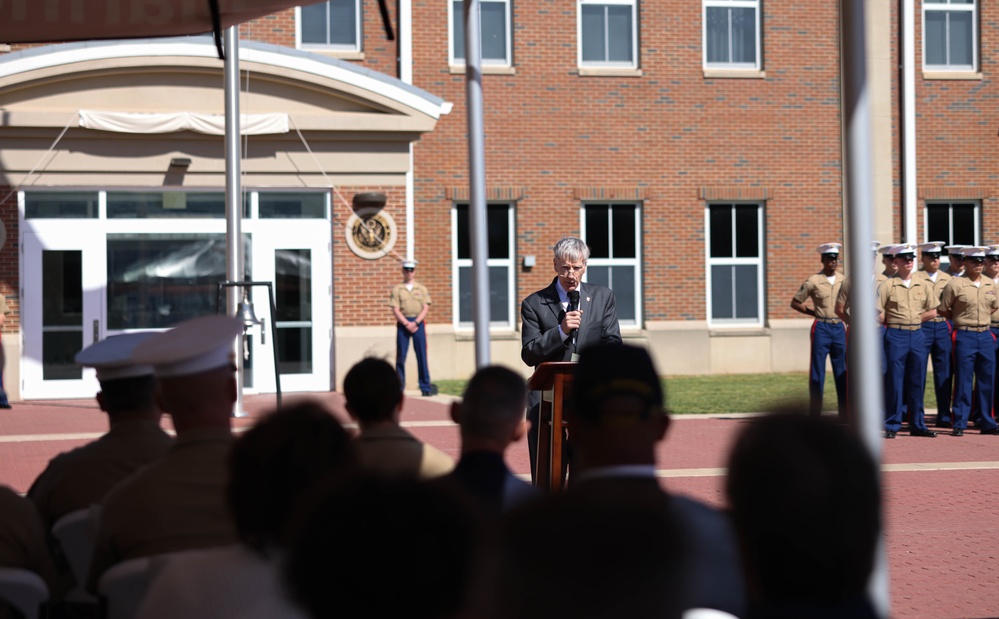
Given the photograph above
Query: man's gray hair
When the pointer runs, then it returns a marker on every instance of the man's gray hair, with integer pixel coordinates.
(571, 249)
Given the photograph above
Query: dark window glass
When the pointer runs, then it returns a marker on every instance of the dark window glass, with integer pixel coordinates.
(722, 296)
(964, 224)
(624, 232)
(62, 314)
(165, 205)
(498, 233)
(747, 233)
(499, 297)
(598, 231)
(721, 231)
(60, 205)
(291, 205)
(938, 224)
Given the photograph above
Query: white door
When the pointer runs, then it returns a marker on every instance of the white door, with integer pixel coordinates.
(296, 259)
(62, 311)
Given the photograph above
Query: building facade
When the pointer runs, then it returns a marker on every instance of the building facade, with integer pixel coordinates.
(697, 148)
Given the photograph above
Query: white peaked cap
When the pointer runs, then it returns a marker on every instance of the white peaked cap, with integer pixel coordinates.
(955, 250)
(932, 246)
(888, 249)
(903, 248)
(974, 251)
(192, 347)
(830, 248)
(112, 356)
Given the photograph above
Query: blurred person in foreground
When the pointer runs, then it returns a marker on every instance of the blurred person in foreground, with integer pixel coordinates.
(491, 418)
(374, 400)
(617, 422)
(178, 501)
(272, 466)
(805, 501)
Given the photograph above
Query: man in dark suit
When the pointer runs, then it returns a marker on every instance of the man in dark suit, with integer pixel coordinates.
(563, 319)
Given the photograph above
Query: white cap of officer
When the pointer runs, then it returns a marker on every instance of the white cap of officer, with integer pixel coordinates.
(974, 251)
(993, 250)
(933, 247)
(903, 249)
(830, 248)
(887, 250)
(955, 250)
(192, 347)
(112, 356)
(409, 264)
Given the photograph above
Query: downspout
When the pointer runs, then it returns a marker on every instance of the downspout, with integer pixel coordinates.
(404, 9)
(908, 102)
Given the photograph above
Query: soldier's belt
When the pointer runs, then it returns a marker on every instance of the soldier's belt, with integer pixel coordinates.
(905, 327)
(831, 321)
(938, 319)
(975, 329)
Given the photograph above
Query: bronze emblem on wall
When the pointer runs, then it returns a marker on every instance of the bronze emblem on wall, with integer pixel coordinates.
(371, 233)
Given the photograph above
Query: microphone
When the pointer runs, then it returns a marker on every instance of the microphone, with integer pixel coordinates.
(573, 306)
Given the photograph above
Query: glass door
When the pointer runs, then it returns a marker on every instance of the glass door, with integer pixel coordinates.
(62, 312)
(295, 257)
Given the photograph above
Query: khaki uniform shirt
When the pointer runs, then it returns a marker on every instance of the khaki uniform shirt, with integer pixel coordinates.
(844, 291)
(394, 453)
(22, 536)
(79, 478)
(822, 293)
(410, 302)
(175, 503)
(902, 305)
(970, 305)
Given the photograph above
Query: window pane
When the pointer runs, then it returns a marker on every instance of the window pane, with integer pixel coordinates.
(343, 22)
(499, 295)
(721, 231)
(492, 17)
(597, 231)
(293, 285)
(165, 205)
(592, 32)
(936, 38)
(747, 234)
(60, 205)
(158, 280)
(717, 35)
(722, 302)
(624, 232)
(62, 314)
(294, 350)
(744, 35)
(746, 292)
(464, 244)
(623, 285)
(458, 29)
(314, 24)
(964, 224)
(292, 205)
(938, 224)
(498, 216)
(619, 33)
(960, 38)
(598, 275)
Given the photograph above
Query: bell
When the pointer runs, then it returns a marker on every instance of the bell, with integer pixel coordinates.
(245, 313)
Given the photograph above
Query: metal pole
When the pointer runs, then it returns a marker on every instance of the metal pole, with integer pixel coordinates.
(865, 354)
(233, 202)
(477, 184)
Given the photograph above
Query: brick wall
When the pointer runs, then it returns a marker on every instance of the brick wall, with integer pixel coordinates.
(9, 260)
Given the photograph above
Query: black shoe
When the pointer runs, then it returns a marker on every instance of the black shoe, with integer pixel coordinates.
(942, 424)
(890, 433)
(6, 406)
(957, 432)
(989, 430)
(926, 433)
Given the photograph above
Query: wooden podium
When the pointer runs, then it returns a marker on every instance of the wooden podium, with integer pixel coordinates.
(554, 380)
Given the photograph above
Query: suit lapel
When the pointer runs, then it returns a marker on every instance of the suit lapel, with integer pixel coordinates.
(553, 302)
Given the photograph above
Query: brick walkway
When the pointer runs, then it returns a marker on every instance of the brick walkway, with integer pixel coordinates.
(941, 495)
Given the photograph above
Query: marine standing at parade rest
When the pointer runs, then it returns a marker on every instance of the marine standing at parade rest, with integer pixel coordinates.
(828, 331)
(955, 259)
(937, 334)
(904, 303)
(410, 302)
(970, 302)
(842, 307)
(992, 271)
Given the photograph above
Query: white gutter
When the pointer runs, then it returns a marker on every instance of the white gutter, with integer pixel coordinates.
(909, 120)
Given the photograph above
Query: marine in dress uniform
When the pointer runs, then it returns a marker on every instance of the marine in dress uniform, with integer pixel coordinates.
(938, 334)
(904, 303)
(992, 271)
(828, 332)
(410, 303)
(970, 302)
(79, 478)
(4, 310)
(178, 502)
(955, 258)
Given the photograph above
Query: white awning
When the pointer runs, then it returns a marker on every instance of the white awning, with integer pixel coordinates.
(212, 124)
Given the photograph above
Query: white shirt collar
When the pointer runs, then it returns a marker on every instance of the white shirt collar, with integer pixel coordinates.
(563, 296)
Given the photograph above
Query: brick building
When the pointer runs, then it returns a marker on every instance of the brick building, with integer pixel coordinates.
(697, 147)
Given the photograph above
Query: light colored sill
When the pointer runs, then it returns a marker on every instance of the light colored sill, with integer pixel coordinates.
(334, 53)
(4, 47)
(499, 334)
(951, 75)
(738, 332)
(459, 69)
(738, 74)
(608, 72)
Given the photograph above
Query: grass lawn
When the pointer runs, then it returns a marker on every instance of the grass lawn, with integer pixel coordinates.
(732, 393)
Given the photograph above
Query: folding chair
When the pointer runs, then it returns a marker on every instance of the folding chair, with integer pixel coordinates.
(24, 590)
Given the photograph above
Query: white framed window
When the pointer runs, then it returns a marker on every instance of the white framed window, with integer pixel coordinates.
(494, 24)
(735, 264)
(332, 25)
(731, 34)
(502, 291)
(608, 33)
(614, 234)
(954, 223)
(950, 35)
